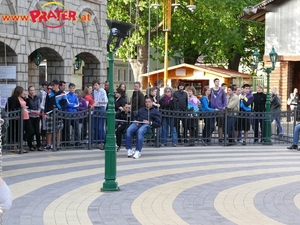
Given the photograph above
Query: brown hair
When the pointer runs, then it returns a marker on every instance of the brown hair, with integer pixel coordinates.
(191, 88)
(17, 91)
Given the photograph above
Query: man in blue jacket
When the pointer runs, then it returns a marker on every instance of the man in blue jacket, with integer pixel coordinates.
(72, 107)
(146, 118)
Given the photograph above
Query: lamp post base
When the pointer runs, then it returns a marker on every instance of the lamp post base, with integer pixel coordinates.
(109, 186)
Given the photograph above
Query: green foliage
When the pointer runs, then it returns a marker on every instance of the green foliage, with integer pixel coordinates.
(212, 30)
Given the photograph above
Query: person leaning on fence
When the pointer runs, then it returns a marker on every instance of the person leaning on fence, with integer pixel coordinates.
(181, 102)
(55, 98)
(147, 118)
(243, 123)
(42, 96)
(259, 107)
(137, 99)
(209, 122)
(122, 122)
(100, 104)
(120, 100)
(5, 196)
(218, 100)
(192, 123)
(34, 108)
(72, 107)
(167, 105)
(276, 109)
(233, 105)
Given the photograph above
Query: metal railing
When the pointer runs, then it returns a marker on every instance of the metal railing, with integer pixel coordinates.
(82, 131)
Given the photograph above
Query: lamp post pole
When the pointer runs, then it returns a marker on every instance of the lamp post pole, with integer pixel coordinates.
(267, 122)
(118, 31)
(110, 172)
(166, 28)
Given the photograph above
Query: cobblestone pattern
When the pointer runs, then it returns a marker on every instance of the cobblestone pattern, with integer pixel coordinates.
(196, 185)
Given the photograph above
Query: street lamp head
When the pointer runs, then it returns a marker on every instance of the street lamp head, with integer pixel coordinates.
(118, 31)
(256, 56)
(273, 57)
(78, 63)
(38, 59)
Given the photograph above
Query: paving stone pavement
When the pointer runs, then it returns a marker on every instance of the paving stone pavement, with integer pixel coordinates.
(194, 185)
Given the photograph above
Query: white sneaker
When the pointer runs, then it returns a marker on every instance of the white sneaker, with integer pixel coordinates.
(129, 153)
(137, 154)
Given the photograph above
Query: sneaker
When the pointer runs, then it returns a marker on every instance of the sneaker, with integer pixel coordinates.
(129, 153)
(118, 148)
(244, 143)
(174, 145)
(293, 147)
(162, 145)
(47, 148)
(203, 142)
(101, 146)
(137, 154)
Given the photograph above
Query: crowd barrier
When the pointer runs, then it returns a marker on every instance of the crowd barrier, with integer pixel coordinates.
(81, 129)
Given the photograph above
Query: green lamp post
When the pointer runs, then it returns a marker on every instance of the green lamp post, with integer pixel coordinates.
(267, 122)
(118, 31)
(38, 59)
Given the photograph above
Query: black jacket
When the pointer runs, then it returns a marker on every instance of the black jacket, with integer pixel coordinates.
(259, 102)
(137, 101)
(12, 104)
(180, 99)
(152, 115)
(33, 103)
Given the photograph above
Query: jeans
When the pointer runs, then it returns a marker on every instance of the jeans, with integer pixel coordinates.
(168, 126)
(99, 125)
(75, 125)
(296, 134)
(140, 131)
(277, 121)
(230, 128)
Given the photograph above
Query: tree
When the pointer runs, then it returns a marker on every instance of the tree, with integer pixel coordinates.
(212, 30)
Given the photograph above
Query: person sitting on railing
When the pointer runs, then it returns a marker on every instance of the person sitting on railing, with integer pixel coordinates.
(167, 105)
(146, 118)
(122, 122)
(5, 196)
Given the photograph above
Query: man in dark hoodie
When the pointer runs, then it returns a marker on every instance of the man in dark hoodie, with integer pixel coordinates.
(146, 118)
(180, 98)
(259, 106)
(57, 98)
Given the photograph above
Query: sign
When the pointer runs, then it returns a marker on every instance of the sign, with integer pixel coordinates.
(8, 72)
(5, 93)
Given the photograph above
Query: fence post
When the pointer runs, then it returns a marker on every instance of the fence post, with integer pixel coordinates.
(54, 129)
(90, 129)
(225, 126)
(21, 130)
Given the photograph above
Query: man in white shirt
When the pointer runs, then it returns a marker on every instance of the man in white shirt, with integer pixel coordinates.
(100, 103)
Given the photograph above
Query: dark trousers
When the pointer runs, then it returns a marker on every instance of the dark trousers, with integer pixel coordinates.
(178, 127)
(119, 132)
(35, 122)
(209, 127)
(230, 128)
(258, 123)
(75, 124)
(28, 132)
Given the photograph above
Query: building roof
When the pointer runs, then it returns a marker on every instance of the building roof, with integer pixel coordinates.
(220, 72)
(257, 12)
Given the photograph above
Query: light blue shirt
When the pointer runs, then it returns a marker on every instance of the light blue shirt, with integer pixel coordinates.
(100, 95)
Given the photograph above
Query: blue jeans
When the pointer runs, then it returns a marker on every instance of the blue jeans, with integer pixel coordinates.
(277, 121)
(296, 134)
(168, 125)
(99, 125)
(230, 128)
(140, 131)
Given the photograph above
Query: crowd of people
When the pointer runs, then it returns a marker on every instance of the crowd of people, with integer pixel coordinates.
(139, 114)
